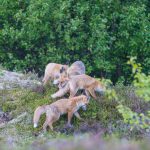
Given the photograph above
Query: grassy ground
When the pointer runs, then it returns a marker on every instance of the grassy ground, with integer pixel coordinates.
(101, 120)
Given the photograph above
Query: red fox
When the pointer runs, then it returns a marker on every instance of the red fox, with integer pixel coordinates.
(76, 68)
(56, 109)
(75, 83)
(52, 71)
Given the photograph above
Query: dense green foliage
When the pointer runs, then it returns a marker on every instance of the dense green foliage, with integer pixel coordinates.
(142, 90)
(101, 33)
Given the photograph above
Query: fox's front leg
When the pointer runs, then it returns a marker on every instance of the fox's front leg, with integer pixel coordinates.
(61, 92)
(50, 124)
(70, 114)
(73, 92)
(78, 116)
(92, 92)
(54, 119)
(87, 94)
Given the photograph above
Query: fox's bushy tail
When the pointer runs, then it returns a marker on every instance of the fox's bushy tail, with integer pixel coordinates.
(37, 114)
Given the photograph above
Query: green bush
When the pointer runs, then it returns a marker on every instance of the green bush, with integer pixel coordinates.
(140, 120)
(100, 33)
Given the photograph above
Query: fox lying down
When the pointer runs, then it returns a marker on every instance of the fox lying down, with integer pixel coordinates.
(75, 83)
(56, 109)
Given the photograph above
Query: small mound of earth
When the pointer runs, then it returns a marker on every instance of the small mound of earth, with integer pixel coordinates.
(4, 117)
(94, 127)
(38, 89)
(10, 80)
(85, 127)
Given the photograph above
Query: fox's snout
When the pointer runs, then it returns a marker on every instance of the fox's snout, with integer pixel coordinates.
(84, 107)
(100, 89)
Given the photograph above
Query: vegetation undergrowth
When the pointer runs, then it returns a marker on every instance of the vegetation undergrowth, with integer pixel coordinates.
(120, 113)
(101, 111)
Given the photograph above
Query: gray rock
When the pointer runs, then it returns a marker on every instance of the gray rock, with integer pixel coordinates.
(15, 120)
(10, 80)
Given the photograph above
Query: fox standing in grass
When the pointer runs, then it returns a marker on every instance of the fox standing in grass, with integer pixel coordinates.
(56, 109)
(75, 83)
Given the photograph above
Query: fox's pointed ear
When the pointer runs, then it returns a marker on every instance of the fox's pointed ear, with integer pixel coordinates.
(62, 69)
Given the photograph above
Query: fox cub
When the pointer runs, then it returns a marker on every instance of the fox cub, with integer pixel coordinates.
(77, 68)
(75, 83)
(52, 71)
(56, 109)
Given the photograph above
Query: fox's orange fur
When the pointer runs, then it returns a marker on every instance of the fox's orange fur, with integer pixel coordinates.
(74, 83)
(52, 71)
(77, 68)
(56, 109)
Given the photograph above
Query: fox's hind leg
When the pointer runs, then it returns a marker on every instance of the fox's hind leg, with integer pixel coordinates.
(54, 119)
(45, 126)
